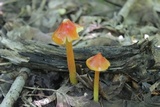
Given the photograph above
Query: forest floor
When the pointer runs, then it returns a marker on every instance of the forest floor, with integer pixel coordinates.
(33, 69)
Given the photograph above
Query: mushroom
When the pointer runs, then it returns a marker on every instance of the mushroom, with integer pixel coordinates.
(64, 35)
(97, 63)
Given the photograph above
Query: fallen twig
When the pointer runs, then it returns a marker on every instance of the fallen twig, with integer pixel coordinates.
(15, 89)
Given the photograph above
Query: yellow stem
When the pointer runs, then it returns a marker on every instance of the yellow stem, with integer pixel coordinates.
(71, 62)
(96, 86)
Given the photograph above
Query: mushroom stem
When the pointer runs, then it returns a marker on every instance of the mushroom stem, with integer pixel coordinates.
(71, 62)
(96, 86)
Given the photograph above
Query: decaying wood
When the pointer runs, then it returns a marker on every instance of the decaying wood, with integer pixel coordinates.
(34, 54)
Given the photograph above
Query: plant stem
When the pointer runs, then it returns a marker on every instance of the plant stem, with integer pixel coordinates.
(71, 63)
(96, 86)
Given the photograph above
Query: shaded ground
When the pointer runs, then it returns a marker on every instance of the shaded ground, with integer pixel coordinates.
(125, 31)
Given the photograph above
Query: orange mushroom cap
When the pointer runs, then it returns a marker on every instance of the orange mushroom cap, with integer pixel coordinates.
(66, 31)
(98, 63)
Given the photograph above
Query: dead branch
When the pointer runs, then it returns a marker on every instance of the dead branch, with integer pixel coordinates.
(123, 13)
(34, 54)
(15, 89)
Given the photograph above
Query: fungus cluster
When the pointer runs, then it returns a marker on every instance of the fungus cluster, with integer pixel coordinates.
(64, 35)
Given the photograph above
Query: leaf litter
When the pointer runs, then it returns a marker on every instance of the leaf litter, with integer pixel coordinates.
(106, 23)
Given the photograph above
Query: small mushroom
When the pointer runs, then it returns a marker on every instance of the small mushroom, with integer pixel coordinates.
(97, 63)
(64, 35)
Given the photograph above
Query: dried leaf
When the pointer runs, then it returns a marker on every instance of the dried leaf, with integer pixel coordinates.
(64, 100)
